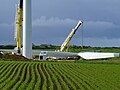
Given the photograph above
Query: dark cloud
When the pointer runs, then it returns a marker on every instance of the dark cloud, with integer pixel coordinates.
(6, 34)
(53, 21)
(101, 29)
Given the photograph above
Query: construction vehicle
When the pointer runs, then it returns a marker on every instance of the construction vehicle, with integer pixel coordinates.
(19, 18)
(65, 43)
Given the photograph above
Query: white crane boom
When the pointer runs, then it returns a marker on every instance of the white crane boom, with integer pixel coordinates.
(65, 43)
(16, 19)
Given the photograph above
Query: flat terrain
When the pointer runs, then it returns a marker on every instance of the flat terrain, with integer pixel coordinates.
(22, 75)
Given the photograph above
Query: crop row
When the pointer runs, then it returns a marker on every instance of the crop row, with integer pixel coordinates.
(58, 76)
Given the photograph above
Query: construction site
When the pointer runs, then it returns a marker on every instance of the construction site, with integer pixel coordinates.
(30, 66)
(24, 47)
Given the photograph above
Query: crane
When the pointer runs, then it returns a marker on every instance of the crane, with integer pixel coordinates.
(65, 43)
(19, 18)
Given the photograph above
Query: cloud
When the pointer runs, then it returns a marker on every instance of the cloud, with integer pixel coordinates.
(57, 27)
(56, 21)
(60, 16)
(96, 33)
(5, 25)
(53, 21)
(54, 30)
(101, 24)
(101, 29)
(102, 42)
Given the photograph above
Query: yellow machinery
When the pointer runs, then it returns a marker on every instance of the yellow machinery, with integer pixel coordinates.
(65, 43)
(19, 25)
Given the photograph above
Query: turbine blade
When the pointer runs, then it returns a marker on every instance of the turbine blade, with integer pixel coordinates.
(97, 55)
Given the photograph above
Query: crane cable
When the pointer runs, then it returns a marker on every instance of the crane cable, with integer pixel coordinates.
(82, 36)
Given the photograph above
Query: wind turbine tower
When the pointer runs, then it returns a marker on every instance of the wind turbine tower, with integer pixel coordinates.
(27, 29)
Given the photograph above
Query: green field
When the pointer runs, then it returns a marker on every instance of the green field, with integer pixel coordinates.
(21, 75)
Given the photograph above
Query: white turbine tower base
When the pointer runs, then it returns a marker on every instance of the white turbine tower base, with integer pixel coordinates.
(27, 32)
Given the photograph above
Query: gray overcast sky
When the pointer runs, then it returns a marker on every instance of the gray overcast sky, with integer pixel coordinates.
(52, 20)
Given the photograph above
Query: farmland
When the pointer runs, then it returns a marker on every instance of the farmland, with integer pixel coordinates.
(25, 75)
